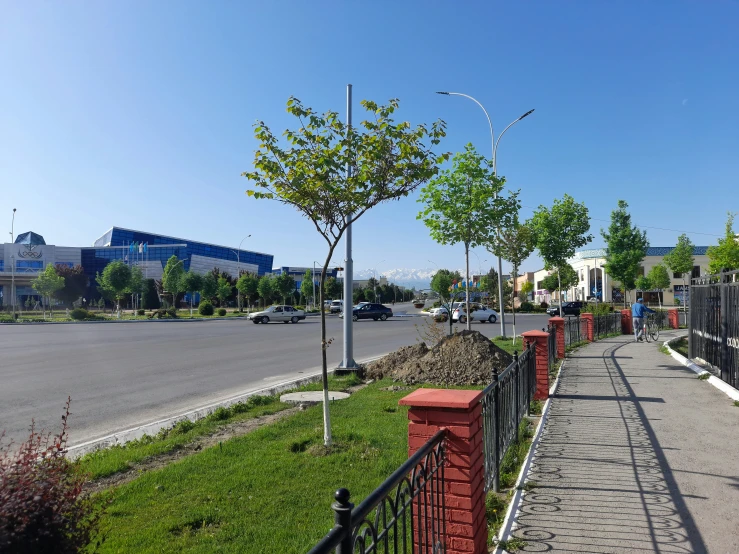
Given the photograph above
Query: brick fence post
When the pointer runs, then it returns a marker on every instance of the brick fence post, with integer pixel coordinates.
(541, 341)
(674, 318)
(460, 412)
(559, 328)
(626, 325)
(589, 326)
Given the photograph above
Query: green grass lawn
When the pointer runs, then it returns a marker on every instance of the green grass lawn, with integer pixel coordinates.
(267, 491)
(680, 346)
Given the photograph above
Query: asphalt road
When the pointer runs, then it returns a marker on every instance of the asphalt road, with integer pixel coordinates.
(121, 375)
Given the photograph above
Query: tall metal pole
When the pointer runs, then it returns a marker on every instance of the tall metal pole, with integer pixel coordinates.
(12, 265)
(314, 286)
(348, 361)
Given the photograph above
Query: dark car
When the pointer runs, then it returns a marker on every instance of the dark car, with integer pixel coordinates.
(371, 311)
(568, 308)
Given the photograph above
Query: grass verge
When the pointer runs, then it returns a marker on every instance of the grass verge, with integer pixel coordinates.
(267, 488)
(680, 346)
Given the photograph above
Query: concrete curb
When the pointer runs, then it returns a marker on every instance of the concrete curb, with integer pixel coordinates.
(509, 522)
(151, 428)
(724, 387)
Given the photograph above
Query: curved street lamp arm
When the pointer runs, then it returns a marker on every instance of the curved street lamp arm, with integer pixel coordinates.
(500, 136)
(490, 122)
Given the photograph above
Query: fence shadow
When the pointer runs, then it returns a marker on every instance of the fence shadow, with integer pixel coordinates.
(601, 481)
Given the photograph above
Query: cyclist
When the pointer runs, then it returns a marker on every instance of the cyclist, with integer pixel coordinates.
(638, 311)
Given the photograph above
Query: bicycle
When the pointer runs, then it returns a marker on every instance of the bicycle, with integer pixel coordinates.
(651, 329)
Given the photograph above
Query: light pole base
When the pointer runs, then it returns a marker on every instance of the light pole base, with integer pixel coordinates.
(350, 366)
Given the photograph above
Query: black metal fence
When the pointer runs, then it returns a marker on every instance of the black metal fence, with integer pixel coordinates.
(714, 323)
(407, 513)
(552, 346)
(576, 331)
(504, 403)
(606, 324)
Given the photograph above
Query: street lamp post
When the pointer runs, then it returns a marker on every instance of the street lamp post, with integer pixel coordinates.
(12, 265)
(494, 146)
(238, 270)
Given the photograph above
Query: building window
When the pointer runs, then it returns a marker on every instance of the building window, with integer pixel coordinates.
(2, 265)
(29, 265)
(677, 275)
(696, 272)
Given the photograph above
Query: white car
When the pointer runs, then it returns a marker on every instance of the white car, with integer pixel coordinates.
(440, 312)
(285, 314)
(477, 312)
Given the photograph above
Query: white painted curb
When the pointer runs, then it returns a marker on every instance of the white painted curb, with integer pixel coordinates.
(724, 387)
(152, 428)
(509, 523)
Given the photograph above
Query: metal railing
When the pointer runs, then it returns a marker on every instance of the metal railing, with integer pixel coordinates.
(407, 513)
(576, 331)
(606, 324)
(505, 402)
(552, 346)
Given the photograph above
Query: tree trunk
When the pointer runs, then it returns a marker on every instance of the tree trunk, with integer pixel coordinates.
(324, 363)
(559, 285)
(513, 302)
(467, 283)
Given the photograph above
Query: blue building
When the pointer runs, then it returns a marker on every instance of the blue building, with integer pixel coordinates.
(29, 254)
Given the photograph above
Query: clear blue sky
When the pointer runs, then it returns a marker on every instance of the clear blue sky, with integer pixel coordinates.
(139, 114)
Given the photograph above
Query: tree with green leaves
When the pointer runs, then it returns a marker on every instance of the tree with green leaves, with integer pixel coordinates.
(248, 285)
(560, 231)
(114, 281)
(526, 289)
(626, 247)
(224, 290)
(514, 244)
(333, 288)
(265, 289)
(550, 282)
(47, 284)
(465, 205)
(75, 283)
(307, 286)
(443, 283)
(209, 287)
(567, 277)
(192, 282)
(680, 260)
(172, 278)
(150, 298)
(135, 284)
(358, 296)
(333, 173)
(642, 284)
(284, 285)
(725, 256)
(659, 279)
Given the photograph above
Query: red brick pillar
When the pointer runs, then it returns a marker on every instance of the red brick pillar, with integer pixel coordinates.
(674, 318)
(589, 325)
(626, 325)
(460, 412)
(559, 328)
(541, 340)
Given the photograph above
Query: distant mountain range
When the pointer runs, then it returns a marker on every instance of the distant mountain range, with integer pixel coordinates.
(409, 278)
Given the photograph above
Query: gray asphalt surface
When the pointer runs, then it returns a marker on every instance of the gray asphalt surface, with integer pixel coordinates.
(637, 455)
(122, 375)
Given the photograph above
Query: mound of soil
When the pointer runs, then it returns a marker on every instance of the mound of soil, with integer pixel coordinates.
(465, 358)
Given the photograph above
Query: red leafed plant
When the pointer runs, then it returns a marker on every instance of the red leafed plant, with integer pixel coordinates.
(42, 509)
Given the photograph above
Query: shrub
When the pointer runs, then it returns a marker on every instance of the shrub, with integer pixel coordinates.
(220, 414)
(81, 314)
(205, 308)
(221, 312)
(183, 427)
(42, 508)
(526, 307)
(544, 305)
(140, 312)
(171, 312)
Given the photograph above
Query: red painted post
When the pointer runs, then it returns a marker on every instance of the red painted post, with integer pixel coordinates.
(541, 340)
(460, 412)
(674, 318)
(626, 325)
(559, 328)
(589, 326)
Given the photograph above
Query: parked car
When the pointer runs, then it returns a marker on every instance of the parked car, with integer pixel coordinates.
(440, 313)
(285, 314)
(476, 312)
(568, 308)
(336, 307)
(371, 311)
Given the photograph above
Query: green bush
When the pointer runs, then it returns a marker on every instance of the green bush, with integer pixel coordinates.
(526, 307)
(81, 314)
(221, 312)
(205, 308)
(140, 312)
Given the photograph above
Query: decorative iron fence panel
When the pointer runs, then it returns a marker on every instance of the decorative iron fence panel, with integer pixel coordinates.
(504, 404)
(406, 514)
(552, 342)
(714, 323)
(575, 330)
(606, 324)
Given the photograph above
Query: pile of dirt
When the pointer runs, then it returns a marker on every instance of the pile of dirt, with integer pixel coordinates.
(465, 358)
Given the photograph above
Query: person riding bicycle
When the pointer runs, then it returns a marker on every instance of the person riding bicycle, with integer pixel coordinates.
(638, 312)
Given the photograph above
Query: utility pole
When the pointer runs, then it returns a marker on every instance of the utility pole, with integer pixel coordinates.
(12, 264)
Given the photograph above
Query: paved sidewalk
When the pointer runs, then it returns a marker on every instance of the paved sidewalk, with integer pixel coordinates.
(637, 455)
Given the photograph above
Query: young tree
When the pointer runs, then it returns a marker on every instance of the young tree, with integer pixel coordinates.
(358, 296)
(223, 291)
(659, 278)
(284, 285)
(265, 289)
(172, 278)
(209, 286)
(443, 283)
(114, 282)
(47, 284)
(560, 231)
(333, 288)
(643, 284)
(725, 256)
(306, 285)
(680, 260)
(75, 283)
(551, 283)
(526, 289)
(192, 282)
(514, 244)
(334, 173)
(464, 204)
(150, 298)
(248, 285)
(136, 284)
(626, 247)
